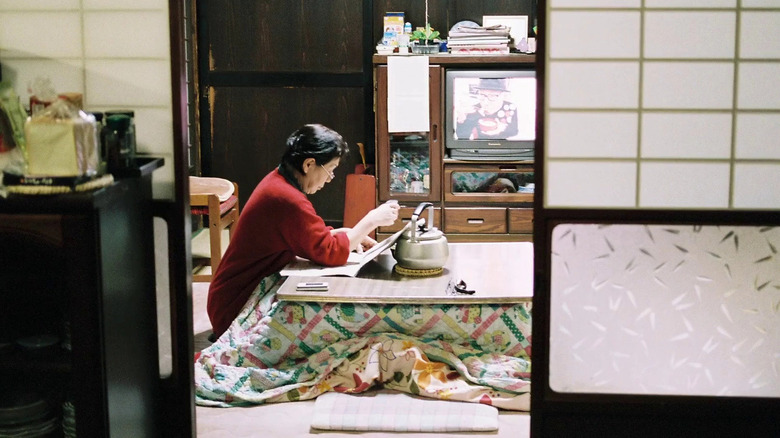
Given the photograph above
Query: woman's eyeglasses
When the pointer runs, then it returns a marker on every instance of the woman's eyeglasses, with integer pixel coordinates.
(331, 175)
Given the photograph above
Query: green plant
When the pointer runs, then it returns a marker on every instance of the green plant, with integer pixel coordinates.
(427, 34)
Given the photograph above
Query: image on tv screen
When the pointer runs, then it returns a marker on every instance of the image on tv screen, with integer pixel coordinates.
(494, 108)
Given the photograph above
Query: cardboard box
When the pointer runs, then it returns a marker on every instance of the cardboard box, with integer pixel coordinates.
(61, 147)
(393, 26)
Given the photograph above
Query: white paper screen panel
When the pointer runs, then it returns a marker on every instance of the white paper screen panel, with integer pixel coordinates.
(662, 82)
(665, 310)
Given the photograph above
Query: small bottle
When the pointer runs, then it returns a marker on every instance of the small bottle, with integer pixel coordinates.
(408, 28)
(118, 143)
(130, 134)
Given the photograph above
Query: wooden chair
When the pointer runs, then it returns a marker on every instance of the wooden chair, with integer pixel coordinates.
(216, 198)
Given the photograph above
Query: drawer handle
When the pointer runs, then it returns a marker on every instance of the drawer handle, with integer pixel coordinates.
(475, 221)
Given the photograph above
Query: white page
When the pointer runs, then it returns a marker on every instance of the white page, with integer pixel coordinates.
(408, 107)
(306, 268)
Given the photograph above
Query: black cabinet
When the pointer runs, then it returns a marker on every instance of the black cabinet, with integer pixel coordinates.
(77, 305)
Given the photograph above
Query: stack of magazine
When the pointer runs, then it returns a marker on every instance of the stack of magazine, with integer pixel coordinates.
(471, 39)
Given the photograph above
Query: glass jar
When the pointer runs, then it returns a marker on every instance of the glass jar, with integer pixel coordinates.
(130, 134)
(119, 143)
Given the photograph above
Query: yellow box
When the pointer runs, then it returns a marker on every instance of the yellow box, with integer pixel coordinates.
(61, 147)
(393, 26)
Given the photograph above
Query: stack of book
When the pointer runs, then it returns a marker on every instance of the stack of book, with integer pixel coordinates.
(466, 39)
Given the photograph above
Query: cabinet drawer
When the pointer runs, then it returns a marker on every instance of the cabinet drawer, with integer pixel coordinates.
(405, 215)
(475, 220)
(521, 220)
(486, 183)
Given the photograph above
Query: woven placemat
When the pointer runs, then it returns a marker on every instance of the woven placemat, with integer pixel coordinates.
(103, 181)
(418, 272)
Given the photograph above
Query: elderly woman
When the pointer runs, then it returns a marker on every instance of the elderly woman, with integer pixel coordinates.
(279, 223)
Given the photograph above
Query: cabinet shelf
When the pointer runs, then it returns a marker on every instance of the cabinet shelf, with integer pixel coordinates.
(498, 162)
(18, 362)
(81, 266)
(408, 144)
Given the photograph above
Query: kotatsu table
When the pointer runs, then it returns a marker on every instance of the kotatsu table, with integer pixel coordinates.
(381, 329)
(497, 272)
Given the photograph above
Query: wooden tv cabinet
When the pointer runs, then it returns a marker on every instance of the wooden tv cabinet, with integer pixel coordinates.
(428, 174)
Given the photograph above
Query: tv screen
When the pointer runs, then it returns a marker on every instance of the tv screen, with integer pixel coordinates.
(490, 114)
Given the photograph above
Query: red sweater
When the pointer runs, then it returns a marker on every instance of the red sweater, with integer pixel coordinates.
(276, 224)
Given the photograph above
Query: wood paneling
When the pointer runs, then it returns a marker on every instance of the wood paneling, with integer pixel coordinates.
(250, 127)
(284, 36)
(474, 10)
(521, 220)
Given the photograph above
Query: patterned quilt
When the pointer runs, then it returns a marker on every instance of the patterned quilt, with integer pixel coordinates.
(279, 351)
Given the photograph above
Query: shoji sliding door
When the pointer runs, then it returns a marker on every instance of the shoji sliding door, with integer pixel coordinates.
(657, 302)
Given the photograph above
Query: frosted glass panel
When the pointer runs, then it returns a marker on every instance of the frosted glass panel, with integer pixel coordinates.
(660, 309)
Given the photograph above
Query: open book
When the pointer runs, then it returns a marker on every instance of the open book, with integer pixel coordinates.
(306, 268)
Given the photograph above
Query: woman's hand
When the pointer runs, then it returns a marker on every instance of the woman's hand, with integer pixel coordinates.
(384, 215)
(365, 244)
(335, 231)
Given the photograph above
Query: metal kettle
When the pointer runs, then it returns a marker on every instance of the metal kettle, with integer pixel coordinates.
(421, 246)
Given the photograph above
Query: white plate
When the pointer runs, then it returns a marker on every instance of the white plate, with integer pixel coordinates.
(38, 341)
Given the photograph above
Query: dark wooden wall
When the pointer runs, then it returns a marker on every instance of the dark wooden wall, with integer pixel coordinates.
(266, 67)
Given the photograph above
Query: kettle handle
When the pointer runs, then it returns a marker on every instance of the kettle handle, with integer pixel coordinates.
(417, 212)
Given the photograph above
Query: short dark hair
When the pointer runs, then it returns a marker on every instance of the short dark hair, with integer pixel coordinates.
(313, 141)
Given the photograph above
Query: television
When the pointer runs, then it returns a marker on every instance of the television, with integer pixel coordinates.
(490, 114)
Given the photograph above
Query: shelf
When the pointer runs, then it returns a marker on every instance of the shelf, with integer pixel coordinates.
(492, 162)
(21, 362)
(141, 166)
(409, 144)
(446, 59)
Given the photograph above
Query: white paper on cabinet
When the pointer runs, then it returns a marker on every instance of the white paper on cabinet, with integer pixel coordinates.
(407, 94)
